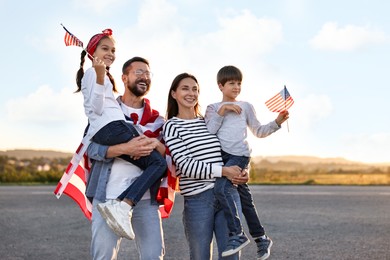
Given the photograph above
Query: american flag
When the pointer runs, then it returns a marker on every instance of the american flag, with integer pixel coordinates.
(74, 180)
(70, 39)
(169, 186)
(280, 102)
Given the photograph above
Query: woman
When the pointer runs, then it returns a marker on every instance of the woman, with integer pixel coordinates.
(197, 157)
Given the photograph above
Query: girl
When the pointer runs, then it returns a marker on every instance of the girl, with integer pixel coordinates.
(108, 126)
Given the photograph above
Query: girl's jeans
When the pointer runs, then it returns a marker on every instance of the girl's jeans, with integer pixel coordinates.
(154, 165)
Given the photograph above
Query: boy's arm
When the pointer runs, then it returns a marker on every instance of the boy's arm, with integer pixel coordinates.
(256, 127)
(213, 119)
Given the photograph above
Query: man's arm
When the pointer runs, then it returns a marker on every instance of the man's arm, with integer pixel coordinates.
(136, 147)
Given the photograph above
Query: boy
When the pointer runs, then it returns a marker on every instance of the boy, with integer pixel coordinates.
(229, 120)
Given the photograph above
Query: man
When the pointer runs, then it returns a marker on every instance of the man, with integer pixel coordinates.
(110, 176)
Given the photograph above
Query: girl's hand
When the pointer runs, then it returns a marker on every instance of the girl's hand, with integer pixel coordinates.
(100, 68)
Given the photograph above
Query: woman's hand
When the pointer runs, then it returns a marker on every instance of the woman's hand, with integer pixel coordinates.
(230, 172)
(242, 178)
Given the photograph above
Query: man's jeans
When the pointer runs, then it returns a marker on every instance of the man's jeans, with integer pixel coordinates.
(203, 217)
(154, 165)
(146, 222)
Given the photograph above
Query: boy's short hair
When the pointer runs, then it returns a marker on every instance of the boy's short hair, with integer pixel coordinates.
(228, 73)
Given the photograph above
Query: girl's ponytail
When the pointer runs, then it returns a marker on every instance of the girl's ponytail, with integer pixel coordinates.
(80, 72)
(111, 79)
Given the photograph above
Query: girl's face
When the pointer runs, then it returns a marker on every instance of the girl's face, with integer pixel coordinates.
(105, 51)
(230, 90)
(186, 93)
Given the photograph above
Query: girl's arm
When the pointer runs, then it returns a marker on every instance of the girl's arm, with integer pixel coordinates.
(94, 93)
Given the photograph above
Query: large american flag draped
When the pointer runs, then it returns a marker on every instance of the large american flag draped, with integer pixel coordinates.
(74, 180)
(280, 102)
(70, 39)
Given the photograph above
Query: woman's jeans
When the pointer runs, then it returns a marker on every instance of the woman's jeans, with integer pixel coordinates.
(203, 217)
(154, 165)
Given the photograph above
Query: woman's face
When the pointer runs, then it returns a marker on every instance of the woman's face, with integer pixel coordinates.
(186, 93)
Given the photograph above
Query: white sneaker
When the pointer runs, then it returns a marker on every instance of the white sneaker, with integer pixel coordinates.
(118, 217)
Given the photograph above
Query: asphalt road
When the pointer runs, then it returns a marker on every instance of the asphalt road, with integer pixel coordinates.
(305, 222)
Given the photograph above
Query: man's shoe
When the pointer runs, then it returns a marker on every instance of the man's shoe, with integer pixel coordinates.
(263, 247)
(118, 217)
(235, 244)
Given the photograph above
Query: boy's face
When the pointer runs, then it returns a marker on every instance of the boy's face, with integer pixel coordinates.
(230, 90)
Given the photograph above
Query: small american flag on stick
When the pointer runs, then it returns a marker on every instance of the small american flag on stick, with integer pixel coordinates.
(280, 102)
(70, 39)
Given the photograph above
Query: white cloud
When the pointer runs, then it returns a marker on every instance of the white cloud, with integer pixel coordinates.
(243, 34)
(367, 147)
(44, 106)
(98, 6)
(349, 38)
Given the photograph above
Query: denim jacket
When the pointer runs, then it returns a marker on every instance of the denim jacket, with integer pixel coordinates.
(99, 173)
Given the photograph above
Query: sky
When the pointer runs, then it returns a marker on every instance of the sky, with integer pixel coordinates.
(333, 57)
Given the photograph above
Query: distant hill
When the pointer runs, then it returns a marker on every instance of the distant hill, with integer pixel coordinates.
(304, 159)
(30, 154)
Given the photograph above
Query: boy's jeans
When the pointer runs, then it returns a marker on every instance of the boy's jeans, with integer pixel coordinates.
(223, 192)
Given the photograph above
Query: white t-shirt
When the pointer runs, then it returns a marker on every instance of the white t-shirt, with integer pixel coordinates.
(123, 174)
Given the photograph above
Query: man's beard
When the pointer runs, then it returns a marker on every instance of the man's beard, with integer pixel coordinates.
(136, 91)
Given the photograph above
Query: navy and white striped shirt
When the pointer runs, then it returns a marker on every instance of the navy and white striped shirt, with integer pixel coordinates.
(195, 152)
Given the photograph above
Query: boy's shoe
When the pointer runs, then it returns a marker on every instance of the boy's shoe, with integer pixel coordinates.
(263, 247)
(118, 217)
(235, 244)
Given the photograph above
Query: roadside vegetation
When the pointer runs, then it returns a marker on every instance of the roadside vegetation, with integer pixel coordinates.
(284, 171)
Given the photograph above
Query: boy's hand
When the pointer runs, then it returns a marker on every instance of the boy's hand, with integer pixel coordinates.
(229, 107)
(283, 116)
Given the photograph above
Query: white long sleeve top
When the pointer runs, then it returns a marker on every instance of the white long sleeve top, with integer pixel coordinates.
(100, 105)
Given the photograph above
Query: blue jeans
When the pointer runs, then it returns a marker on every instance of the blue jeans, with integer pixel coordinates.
(248, 206)
(154, 165)
(146, 222)
(203, 217)
(224, 190)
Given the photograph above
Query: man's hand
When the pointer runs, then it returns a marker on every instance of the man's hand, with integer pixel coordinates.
(136, 148)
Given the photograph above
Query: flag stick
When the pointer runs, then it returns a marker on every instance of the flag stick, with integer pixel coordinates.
(285, 97)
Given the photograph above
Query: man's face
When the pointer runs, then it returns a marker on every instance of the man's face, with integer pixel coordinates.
(138, 79)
